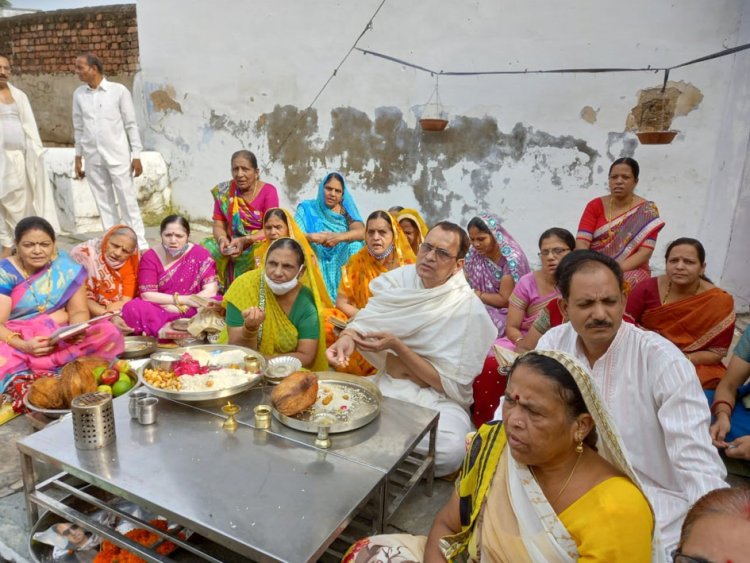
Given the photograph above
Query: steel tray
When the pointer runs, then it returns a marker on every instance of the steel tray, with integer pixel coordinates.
(196, 396)
(364, 406)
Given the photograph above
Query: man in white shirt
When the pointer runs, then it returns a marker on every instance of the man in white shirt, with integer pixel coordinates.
(24, 186)
(647, 384)
(106, 136)
(427, 333)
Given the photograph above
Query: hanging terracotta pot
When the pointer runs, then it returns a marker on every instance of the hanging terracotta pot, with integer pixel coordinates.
(433, 124)
(656, 137)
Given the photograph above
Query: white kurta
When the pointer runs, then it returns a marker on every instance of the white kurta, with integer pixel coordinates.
(447, 326)
(106, 134)
(24, 185)
(661, 413)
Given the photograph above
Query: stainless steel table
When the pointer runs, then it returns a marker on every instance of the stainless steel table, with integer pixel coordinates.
(264, 495)
(388, 443)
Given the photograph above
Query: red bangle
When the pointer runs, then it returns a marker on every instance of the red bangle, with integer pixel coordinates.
(717, 403)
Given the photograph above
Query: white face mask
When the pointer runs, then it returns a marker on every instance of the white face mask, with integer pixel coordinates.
(284, 287)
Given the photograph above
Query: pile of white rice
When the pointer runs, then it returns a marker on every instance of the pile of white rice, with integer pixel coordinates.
(219, 379)
(228, 357)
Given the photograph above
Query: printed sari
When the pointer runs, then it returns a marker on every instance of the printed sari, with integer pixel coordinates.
(414, 216)
(187, 276)
(276, 335)
(296, 233)
(241, 219)
(484, 275)
(33, 300)
(356, 276)
(526, 298)
(107, 282)
(505, 516)
(313, 216)
(703, 322)
(621, 236)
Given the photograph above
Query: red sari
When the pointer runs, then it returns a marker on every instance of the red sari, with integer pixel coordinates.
(621, 236)
(704, 322)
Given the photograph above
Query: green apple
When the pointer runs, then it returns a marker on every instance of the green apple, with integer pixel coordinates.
(104, 389)
(122, 386)
(98, 372)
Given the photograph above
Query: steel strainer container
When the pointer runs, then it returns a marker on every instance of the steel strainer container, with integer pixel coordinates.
(93, 420)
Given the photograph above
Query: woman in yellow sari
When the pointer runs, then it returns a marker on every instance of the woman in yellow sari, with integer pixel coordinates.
(279, 223)
(386, 248)
(276, 309)
(414, 227)
(549, 483)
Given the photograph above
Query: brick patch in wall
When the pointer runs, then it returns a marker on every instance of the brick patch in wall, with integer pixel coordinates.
(48, 42)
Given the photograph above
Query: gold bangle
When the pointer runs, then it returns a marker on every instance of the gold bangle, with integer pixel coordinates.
(11, 336)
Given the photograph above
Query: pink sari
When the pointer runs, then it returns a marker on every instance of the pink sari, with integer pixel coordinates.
(187, 276)
(32, 301)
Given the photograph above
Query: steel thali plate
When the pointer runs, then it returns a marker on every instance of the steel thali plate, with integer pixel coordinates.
(195, 396)
(354, 402)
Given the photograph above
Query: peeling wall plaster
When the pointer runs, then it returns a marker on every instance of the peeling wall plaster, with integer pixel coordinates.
(534, 149)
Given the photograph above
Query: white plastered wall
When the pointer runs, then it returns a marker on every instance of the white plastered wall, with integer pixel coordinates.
(213, 72)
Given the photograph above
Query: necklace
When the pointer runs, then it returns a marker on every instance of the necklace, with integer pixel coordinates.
(41, 307)
(567, 481)
(669, 289)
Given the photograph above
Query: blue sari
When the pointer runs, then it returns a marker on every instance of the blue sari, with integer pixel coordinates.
(46, 291)
(313, 216)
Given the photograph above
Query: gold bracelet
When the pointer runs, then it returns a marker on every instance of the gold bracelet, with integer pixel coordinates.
(11, 336)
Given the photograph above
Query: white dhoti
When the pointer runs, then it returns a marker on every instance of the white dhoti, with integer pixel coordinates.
(15, 195)
(453, 426)
(113, 184)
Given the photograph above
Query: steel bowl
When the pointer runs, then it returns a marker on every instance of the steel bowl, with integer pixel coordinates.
(280, 367)
(138, 346)
(164, 360)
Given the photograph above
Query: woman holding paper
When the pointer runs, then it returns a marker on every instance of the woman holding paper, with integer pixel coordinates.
(41, 291)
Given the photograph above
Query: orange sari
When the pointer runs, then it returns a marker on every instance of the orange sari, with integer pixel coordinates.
(704, 322)
(107, 283)
(356, 276)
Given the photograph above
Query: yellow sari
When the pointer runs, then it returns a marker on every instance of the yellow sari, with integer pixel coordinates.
(310, 258)
(356, 276)
(414, 216)
(276, 335)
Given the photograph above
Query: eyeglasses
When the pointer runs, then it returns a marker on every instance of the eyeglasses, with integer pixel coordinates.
(441, 254)
(554, 251)
(678, 557)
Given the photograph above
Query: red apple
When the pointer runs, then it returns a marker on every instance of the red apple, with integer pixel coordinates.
(110, 377)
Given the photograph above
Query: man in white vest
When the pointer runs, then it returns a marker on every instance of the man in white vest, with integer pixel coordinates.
(24, 186)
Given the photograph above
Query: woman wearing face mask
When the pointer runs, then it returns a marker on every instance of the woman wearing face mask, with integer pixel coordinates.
(112, 266)
(387, 248)
(169, 278)
(276, 309)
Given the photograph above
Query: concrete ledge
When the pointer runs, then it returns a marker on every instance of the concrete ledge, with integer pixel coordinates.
(74, 202)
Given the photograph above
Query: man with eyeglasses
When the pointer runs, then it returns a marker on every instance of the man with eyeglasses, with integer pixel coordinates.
(427, 333)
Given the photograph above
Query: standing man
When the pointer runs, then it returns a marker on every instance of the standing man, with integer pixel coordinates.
(24, 187)
(648, 385)
(427, 333)
(106, 136)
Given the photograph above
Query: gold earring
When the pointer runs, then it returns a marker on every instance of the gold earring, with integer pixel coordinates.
(579, 447)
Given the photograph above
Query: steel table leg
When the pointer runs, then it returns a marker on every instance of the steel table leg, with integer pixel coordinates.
(29, 484)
